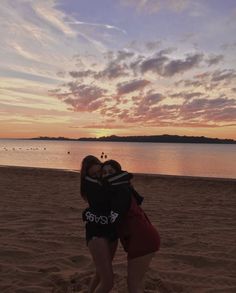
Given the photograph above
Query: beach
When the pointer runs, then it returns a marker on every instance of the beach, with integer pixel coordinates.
(42, 242)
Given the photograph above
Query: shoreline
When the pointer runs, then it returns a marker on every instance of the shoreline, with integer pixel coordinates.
(168, 176)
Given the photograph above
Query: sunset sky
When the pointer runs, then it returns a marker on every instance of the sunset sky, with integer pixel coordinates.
(86, 68)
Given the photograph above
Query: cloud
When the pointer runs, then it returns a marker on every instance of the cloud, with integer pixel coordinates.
(82, 73)
(113, 70)
(116, 85)
(37, 37)
(153, 98)
(155, 64)
(131, 86)
(180, 66)
(52, 17)
(164, 66)
(227, 114)
(214, 59)
(186, 95)
(117, 65)
(131, 95)
(209, 110)
(188, 83)
(30, 37)
(123, 54)
(146, 104)
(210, 80)
(154, 115)
(226, 75)
(195, 112)
(106, 26)
(81, 97)
(23, 51)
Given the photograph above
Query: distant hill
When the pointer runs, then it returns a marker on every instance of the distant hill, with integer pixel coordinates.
(165, 138)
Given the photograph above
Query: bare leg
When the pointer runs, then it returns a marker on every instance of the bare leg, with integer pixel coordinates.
(137, 268)
(94, 282)
(113, 247)
(100, 251)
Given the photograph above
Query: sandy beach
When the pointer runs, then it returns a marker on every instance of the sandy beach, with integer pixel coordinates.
(42, 246)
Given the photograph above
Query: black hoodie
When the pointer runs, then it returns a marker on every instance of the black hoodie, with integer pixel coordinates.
(118, 190)
(97, 223)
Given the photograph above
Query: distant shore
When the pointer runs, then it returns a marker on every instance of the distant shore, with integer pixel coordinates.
(147, 138)
(42, 240)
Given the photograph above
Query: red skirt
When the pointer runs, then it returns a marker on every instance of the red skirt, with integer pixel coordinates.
(137, 235)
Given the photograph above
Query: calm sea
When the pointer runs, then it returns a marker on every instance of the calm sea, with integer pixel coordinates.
(207, 160)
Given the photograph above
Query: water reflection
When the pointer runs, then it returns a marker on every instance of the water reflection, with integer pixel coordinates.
(156, 158)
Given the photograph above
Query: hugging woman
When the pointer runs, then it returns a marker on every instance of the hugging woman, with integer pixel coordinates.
(101, 239)
(124, 218)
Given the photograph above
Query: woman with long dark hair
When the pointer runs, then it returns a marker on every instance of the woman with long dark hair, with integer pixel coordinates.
(100, 234)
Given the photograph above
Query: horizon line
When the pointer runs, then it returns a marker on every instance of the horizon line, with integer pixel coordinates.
(113, 135)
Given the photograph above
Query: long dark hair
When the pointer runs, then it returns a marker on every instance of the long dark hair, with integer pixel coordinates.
(114, 165)
(86, 164)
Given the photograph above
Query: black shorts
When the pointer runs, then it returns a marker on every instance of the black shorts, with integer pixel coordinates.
(95, 230)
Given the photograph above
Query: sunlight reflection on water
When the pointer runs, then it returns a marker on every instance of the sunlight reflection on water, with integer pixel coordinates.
(213, 160)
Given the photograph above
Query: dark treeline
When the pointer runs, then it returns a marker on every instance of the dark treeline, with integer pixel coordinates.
(52, 138)
(165, 138)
